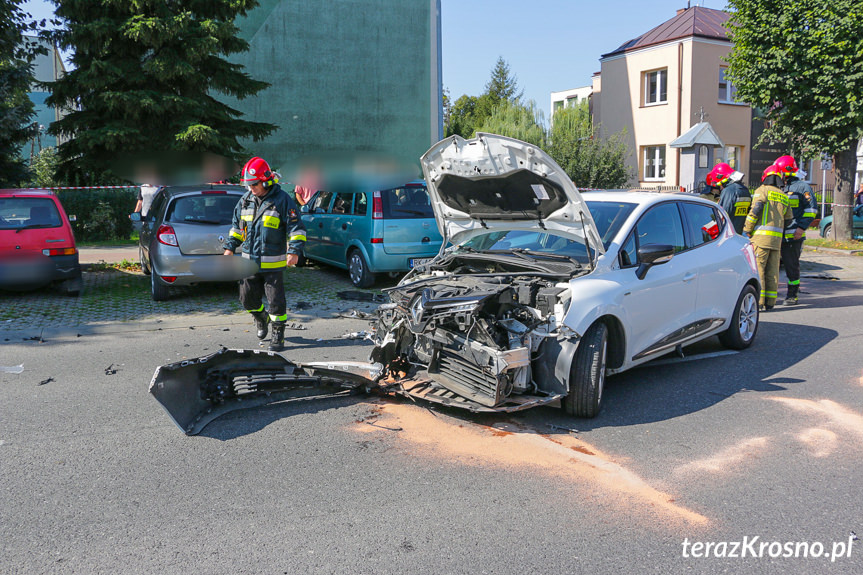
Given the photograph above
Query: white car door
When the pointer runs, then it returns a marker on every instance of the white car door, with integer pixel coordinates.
(661, 305)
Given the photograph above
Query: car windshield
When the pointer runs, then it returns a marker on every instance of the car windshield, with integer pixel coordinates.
(203, 209)
(536, 243)
(411, 201)
(22, 213)
(609, 217)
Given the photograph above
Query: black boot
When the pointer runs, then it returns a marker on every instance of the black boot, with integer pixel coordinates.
(791, 298)
(277, 342)
(261, 321)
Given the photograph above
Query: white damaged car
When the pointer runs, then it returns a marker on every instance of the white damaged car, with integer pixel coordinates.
(538, 294)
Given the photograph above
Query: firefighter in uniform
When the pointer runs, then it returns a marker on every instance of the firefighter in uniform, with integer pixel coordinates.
(768, 217)
(734, 198)
(267, 225)
(710, 191)
(804, 208)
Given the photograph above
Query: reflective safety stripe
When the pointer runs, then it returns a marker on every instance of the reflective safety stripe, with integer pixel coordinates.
(256, 310)
(237, 234)
(273, 262)
(769, 293)
(810, 212)
(751, 218)
(741, 208)
(763, 232)
(247, 218)
(279, 317)
(794, 202)
(271, 221)
(299, 238)
(794, 282)
(789, 235)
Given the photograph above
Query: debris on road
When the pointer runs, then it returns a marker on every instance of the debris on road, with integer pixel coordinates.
(354, 295)
(44, 381)
(354, 314)
(365, 334)
(301, 305)
(110, 370)
(12, 369)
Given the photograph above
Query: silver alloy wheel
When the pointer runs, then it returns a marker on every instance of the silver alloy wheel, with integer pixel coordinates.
(748, 317)
(355, 268)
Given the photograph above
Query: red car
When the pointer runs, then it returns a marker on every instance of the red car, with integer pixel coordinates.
(37, 246)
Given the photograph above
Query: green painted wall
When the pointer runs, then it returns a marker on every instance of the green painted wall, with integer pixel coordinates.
(347, 76)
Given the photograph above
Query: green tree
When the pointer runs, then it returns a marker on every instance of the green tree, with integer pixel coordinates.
(44, 168)
(470, 112)
(588, 160)
(515, 120)
(143, 78)
(802, 61)
(16, 77)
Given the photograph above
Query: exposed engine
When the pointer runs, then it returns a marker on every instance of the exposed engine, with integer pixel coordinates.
(476, 335)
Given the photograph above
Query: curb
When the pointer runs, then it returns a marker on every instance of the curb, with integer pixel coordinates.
(834, 251)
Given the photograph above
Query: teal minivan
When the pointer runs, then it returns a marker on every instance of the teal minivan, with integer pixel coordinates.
(369, 233)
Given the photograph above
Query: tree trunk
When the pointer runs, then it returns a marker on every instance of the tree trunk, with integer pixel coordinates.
(845, 163)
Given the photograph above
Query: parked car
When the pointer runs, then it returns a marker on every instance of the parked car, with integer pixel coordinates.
(181, 237)
(542, 293)
(369, 233)
(37, 246)
(826, 225)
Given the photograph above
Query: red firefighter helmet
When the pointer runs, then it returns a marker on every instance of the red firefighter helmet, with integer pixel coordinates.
(708, 179)
(721, 172)
(771, 170)
(786, 164)
(256, 170)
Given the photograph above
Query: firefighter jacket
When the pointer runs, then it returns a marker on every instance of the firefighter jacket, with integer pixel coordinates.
(804, 206)
(768, 217)
(709, 193)
(735, 200)
(267, 229)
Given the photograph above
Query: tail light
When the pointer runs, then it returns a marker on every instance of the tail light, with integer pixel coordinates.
(377, 206)
(377, 240)
(60, 252)
(169, 279)
(167, 236)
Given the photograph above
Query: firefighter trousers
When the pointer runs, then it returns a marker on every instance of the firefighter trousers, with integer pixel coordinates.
(791, 251)
(269, 284)
(768, 271)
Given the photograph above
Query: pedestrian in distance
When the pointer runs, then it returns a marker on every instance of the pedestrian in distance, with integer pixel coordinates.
(858, 197)
(266, 224)
(734, 197)
(804, 209)
(768, 217)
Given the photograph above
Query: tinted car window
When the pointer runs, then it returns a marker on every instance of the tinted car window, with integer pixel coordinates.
(629, 253)
(661, 225)
(361, 204)
(702, 223)
(343, 202)
(407, 202)
(321, 202)
(205, 209)
(28, 212)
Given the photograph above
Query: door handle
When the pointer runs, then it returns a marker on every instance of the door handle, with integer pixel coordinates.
(321, 224)
(688, 277)
(344, 226)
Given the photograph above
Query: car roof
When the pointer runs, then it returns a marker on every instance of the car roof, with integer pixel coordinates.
(172, 191)
(27, 192)
(640, 197)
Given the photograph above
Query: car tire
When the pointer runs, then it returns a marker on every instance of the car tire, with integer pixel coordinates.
(145, 269)
(159, 290)
(828, 229)
(587, 375)
(358, 270)
(744, 322)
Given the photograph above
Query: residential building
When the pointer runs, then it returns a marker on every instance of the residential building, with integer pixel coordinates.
(47, 67)
(668, 89)
(569, 98)
(345, 77)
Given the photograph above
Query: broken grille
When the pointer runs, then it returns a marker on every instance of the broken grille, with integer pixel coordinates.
(469, 379)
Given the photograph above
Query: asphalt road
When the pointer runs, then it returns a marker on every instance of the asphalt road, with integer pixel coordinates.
(716, 448)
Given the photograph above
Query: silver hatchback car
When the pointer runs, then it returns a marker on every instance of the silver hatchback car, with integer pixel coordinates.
(182, 234)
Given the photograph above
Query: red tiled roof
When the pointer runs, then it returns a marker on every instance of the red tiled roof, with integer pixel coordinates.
(696, 21)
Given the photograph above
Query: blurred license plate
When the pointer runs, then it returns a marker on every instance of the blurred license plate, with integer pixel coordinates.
(418, 261)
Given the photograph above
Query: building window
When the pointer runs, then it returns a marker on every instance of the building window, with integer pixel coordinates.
(734, 156)
(654, 163)
(702, 156)
(727, 91)
(558, 105)
(656, 87)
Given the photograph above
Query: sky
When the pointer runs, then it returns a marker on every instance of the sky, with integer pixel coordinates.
(550, 45)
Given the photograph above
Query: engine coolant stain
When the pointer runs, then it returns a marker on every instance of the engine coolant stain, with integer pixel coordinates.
(506, 445)
(838, 414)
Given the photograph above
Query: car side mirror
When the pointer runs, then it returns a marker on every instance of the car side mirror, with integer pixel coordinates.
(304, 209)
(651, 255)
(135, 216)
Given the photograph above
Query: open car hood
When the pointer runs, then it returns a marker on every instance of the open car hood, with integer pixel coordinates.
(492, 182)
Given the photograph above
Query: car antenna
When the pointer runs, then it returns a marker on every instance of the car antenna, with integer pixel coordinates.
(586, 240)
